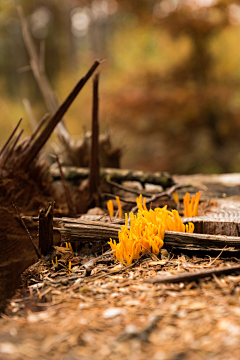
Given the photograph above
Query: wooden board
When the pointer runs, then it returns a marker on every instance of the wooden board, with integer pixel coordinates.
(85, 231)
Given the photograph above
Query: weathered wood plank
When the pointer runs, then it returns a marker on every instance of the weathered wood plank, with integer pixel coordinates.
(82, 231)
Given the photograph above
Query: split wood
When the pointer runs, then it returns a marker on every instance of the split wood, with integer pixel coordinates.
(75, 230)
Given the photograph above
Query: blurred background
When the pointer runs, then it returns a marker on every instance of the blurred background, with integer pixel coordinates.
(169, 90)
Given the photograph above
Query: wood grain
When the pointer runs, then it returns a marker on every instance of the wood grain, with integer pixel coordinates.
(83, 231)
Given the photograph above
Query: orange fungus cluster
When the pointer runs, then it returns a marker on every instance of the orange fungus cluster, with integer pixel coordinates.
(146, 231)
(191, 205)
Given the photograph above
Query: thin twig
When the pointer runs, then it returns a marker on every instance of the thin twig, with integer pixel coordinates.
(92, 261)
(30, 113)
(10, 137)
(38, 69)
(42, 55)
(116, 271)
(37, 145)
(39, 125)
(45, 228)
(12, 148)
(94, 165)
(157, 196)
(133, 191)
(71, 207)
(120, 198)
(37, 63)
(194, 276)
(211, 262)
(153, 198)
(29, 235)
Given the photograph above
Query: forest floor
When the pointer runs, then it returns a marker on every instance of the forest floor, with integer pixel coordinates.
(101, 309)
(122, 316)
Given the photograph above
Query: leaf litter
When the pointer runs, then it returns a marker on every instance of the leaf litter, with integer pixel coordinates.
(113, 313)
(72, 307)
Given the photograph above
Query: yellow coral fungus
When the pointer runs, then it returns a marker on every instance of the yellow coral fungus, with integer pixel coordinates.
(191, 206)
(110, 208)
(175, 197)
(141, 203)
(119, 207)
(146, 232)
(70, 246)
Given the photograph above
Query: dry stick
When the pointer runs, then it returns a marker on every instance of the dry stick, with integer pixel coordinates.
(12, 148)
(29, 111)
(133, 191)
(37, 145)
(120, 198)
(92, 261)
(40, 124)
(16, 141)
(71, 208)
(94, 166)
(153, 198)
(36, 65)
(157, 196)
(218, 256)
(194, 276)
(42, 55)
(29, 235)
(10, 137)
(127, 267)
(38, 69)
(46, 228)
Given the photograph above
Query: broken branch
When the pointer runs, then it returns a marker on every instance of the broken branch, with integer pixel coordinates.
(161, 194)
(31, 152)
(71, 208)
(10, 137)
(94, 166)
(157, 178)
(187, 277)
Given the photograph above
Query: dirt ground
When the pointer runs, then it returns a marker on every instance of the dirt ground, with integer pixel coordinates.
(116, 314)
(100, 309)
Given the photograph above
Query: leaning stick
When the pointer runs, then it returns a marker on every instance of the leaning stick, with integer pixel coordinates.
(36, 146)
(10, 137)
(38, 69)
(94, 164)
